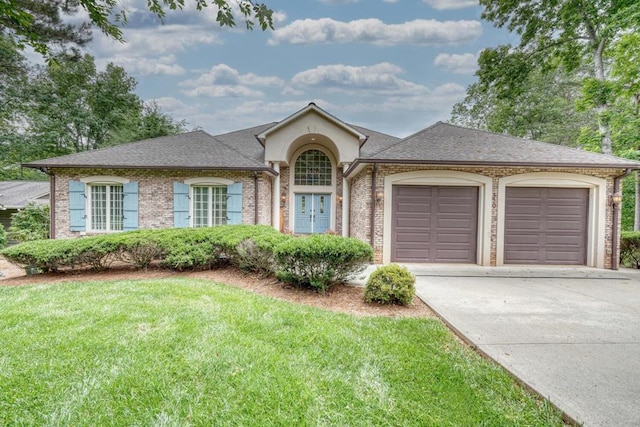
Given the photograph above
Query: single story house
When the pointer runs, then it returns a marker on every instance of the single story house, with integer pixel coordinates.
(15, 195)
(445, 194)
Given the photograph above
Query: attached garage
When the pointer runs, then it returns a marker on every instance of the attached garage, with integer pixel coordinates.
(546, 225)
(437, 224)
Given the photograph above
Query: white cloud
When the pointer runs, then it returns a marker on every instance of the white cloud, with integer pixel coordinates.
(381, 79)
(451, 4)
(374, 31)
(222, 80)
(458, 64)
(162, 65)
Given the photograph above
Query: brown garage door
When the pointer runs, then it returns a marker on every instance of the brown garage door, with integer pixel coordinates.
(546, 226)
(434, 224)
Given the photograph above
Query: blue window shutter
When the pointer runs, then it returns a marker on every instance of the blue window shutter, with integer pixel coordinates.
(77, 213)
(130, 206)
(234, 203)
(180, 205)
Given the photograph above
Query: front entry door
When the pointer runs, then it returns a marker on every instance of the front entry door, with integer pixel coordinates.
(312, 213)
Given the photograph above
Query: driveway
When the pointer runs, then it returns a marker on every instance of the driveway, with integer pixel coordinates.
(572, 334)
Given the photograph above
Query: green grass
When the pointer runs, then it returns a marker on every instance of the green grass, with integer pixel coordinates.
(186, 352)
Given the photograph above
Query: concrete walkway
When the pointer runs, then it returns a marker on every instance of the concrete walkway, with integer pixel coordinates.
(572, 334)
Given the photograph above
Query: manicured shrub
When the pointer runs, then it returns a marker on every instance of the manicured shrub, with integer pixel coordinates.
(630, 249)
(30, 223)
(256, 254)
(47, 255)
(390, 284)
(320, 260)
(3, 237)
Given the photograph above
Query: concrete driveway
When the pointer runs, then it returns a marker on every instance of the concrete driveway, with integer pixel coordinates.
(572, 334)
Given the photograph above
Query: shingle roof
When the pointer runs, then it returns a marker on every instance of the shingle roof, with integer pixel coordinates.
(18, 194)
(376, 141)
(444, 143)
(191, 150)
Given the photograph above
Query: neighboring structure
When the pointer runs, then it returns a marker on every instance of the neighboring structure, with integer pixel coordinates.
(445, 194)
(15, 195)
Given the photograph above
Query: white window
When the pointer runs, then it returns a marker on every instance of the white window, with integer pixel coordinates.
(209, 205)
(106, 207)
(313, 167)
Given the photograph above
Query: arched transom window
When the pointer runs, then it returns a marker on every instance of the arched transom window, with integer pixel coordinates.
(313, 167)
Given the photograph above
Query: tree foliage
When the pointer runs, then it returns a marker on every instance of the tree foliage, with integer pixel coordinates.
(38, 23)
(544, 108)
(69, 106)
(569, 32)
(30, 223)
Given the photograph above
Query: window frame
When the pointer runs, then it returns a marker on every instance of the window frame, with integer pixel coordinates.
(108, 182)
(208, 183)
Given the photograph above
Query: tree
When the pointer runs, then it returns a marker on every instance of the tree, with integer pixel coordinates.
(23, 18)
(543, 110)
(567, 31)
(76, 108)
(151, 122)
(69, 106)
(30, 223)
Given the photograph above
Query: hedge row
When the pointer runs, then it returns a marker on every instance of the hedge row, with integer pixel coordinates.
(318, 260)
(630, 249)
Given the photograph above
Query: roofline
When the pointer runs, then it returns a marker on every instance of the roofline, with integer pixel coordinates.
(360, 161)
(311, 106)
(112, 166)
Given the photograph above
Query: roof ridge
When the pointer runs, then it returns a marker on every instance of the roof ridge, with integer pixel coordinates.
(404, 139)
(244, 130)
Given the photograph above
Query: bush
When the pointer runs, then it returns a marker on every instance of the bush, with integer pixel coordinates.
(47, 255)
(179, 249)
(30, 223)
(320, 260)
(390, 284)
(256, 254)
(3, 237)
(630, 249)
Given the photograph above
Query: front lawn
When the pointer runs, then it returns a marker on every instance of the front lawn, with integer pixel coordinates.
(188, 352)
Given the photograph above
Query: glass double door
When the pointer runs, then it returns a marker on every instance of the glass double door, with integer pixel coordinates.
(312, 213)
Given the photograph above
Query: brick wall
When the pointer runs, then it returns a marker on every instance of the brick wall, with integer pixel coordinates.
(155, 194)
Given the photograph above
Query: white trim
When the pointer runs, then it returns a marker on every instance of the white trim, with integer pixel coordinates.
(104, 179)
(275, 198)
(329, 190)
(311, 107)
(208, 181)
(597, 208)
(107, 180)
(443, 177)
(88, 199)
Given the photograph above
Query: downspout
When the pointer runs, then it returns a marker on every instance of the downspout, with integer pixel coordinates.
(372, 224)
(615, 250)
(255, 197)
(52, 205)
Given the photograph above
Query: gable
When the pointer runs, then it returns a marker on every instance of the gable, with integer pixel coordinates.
(311, 126)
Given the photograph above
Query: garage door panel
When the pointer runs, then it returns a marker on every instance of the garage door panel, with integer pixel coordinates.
(451, 256)
(455, 224)
(454, 238)
(410, 237)
(412, 223)
(546, 225)
(434, 224)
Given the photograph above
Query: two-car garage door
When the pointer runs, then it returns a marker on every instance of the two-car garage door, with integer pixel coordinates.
(439, 224)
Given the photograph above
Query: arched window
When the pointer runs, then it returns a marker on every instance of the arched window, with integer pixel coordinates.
(313, 167)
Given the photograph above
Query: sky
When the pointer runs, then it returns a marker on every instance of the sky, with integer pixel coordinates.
(394, 66)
